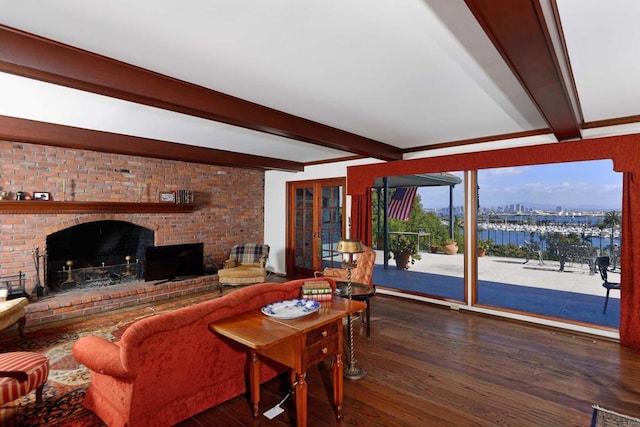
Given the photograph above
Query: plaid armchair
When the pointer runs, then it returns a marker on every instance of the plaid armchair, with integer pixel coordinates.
(246, 264)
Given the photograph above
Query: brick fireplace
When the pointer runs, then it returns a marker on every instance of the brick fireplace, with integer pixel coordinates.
(96, 253)
(87, 186)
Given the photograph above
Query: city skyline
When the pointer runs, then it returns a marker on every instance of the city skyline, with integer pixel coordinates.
(590, 185)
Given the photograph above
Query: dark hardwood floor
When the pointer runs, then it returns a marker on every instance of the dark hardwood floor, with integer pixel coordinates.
(433, 366)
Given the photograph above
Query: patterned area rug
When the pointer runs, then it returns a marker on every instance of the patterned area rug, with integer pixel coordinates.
(606, 418)
(65, 389)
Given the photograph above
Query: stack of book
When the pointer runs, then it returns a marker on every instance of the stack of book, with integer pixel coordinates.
(184, 196)
(317, 290)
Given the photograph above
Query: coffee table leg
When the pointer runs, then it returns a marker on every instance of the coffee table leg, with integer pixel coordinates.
(338, 371)
(301, 400)
(254, 383)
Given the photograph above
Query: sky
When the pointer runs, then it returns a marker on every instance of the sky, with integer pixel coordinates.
(577, 185)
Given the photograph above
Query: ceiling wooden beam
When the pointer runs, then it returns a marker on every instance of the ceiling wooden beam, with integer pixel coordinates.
(35, 132)
(517, 29)
(34, 57)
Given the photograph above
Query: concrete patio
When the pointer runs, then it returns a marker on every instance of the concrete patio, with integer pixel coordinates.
(574, 294)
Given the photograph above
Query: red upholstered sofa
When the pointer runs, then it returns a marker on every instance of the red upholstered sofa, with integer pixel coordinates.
(170, 366)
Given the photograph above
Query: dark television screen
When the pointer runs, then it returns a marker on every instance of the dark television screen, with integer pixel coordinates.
(174, 261)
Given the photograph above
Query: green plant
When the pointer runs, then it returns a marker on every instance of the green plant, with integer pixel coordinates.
(485, 244)
(612, 220)
(404, 245)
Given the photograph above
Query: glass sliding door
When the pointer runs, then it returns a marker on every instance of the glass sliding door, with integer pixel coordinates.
(542, 228)
(435, 228)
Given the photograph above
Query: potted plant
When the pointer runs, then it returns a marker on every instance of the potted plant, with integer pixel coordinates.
(404, 251)
(450, 247)
(483, 246)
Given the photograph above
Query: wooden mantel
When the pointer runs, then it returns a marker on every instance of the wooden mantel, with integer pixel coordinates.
(45, 206)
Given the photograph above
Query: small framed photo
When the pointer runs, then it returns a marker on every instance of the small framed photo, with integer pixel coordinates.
(167, 197)
(41, 195)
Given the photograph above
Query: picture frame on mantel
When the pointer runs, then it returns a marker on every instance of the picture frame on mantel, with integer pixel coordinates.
(167, 197)
(41, 195)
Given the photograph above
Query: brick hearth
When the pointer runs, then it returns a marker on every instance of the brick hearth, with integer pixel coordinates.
(80, 302)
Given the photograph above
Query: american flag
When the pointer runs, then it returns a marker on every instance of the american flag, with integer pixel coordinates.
(401, 203)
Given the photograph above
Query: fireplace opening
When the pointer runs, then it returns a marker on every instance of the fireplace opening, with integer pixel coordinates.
(98, 253)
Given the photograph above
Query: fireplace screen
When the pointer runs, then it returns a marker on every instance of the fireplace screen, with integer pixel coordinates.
(98, 253)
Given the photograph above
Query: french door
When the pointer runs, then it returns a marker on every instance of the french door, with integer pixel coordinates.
(315, 224)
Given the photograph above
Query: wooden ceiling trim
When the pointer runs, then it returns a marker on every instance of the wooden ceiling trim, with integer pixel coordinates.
(35, 132)
(334, 160)
(492, 138)
(46, 60)
(612, 122)
(518, 31)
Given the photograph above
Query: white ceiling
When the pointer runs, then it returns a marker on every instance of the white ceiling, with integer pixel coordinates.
(411, 74)
(603, 43)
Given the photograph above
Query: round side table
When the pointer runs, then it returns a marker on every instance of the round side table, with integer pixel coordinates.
(359, 292)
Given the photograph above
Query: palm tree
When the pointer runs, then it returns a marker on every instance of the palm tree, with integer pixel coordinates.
(612, 219)
(601, 226)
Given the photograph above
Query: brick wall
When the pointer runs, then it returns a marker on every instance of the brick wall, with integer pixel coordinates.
(229, 200)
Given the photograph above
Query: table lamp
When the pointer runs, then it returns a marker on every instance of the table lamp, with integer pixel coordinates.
(350, 248)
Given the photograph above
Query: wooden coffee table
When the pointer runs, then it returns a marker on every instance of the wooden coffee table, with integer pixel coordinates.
(296, 343)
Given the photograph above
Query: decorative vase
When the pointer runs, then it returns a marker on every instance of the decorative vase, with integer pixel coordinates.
(482, 252)
(402, 260)
(450, 248)
(433, 249)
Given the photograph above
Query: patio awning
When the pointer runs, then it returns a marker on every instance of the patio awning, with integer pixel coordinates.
(419, 180)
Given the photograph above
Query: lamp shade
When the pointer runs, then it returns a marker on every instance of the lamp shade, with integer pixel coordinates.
(349, 246)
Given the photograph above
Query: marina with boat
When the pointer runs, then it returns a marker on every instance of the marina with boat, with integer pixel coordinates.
(520, 228)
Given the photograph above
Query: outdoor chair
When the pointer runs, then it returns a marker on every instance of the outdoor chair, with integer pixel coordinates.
(532, 249)
(603, 265)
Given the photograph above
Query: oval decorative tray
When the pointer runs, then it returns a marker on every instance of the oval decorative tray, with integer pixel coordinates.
(291, 309)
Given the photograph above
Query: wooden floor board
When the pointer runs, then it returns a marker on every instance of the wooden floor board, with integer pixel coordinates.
(428, 365)
(507, 371)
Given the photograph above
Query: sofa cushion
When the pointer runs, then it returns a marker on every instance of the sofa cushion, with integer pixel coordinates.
(243, 271)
